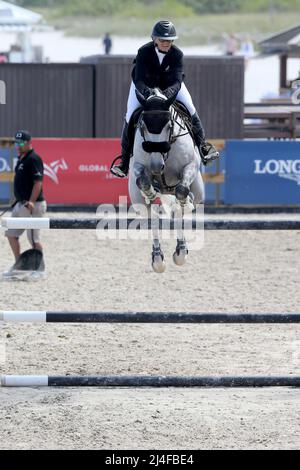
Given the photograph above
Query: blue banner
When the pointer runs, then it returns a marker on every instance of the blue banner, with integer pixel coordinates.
(214, 192)
(262, 172)
(5, 167)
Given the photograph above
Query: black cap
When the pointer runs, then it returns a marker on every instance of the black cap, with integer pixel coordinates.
(22, 136)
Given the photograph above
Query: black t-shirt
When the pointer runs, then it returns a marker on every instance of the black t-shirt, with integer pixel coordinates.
(28, 170)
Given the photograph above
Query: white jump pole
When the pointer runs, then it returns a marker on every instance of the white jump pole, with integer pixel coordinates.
(147, 224)
(148, 381)
(26, 223)
(24, 381)
(21, 316)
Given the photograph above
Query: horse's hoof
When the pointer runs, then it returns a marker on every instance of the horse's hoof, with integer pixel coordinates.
(158, 264)
(181, 192)
(180, 253)
(180, 258)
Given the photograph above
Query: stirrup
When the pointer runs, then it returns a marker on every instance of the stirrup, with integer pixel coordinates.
(116, 170)
(208, 153)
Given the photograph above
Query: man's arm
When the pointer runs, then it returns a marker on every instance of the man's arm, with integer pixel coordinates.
(38, 173)
(36, 190)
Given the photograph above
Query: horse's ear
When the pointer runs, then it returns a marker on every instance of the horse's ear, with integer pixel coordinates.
(140, 98)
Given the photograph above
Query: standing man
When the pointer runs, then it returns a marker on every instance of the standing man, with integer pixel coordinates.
(107, 43)
(28, 190)
(230, 45)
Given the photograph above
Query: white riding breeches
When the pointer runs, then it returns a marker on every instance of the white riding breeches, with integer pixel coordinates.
(183, 96)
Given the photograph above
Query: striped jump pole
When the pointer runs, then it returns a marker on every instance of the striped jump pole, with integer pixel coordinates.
(146, 317)
(148, 381)
(147, 224)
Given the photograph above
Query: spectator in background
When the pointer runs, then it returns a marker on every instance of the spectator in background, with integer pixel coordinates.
(247, 49)
(295, 90)
(107, 43)
(230, 45)
(3, 58)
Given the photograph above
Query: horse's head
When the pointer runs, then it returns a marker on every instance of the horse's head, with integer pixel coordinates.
(156, 114)
(155, 127)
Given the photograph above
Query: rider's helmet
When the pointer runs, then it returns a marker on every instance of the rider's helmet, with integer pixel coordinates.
(164, 30)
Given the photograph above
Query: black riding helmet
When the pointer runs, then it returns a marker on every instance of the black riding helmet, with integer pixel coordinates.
(164, 30)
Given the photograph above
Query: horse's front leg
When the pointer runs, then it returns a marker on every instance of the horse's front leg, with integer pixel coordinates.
(181, 250)
(144, 183)
(182, 189)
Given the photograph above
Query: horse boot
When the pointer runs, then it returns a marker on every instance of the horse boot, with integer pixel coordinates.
(121, 170)
(207, 151)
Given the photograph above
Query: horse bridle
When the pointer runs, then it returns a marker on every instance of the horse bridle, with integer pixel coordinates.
(172, 138)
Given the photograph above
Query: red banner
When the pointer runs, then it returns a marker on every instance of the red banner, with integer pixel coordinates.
(77, 171)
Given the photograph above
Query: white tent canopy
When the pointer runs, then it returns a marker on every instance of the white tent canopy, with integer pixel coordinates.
(295, 40)
(14, 16)
(20, 21)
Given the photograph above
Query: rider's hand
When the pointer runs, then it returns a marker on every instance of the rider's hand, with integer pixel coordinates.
(148, 92)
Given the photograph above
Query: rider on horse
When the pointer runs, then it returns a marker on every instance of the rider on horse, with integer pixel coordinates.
(159, 64)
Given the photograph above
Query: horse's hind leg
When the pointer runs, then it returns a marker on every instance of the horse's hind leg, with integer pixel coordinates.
(197, 189)
(181, 250)
(197, 195)
(158, 263)
(185, 197)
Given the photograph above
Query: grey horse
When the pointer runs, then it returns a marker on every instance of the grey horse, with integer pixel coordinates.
(165, 161)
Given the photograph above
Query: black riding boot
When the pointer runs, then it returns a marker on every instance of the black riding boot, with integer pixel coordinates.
(207, 151)
(121, 170)
(198, 130)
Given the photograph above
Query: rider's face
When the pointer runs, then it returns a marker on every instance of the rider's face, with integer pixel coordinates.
(163, 44)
